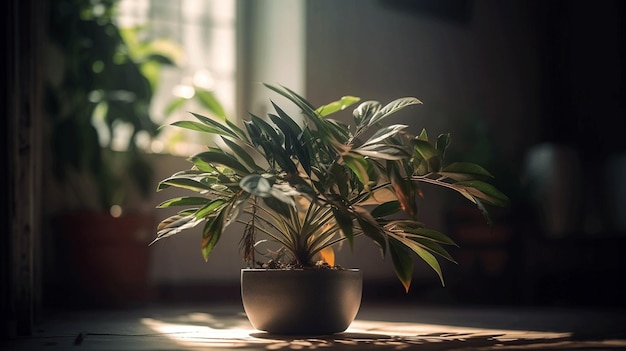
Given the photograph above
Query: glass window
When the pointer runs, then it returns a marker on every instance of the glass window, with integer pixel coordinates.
(204, 32)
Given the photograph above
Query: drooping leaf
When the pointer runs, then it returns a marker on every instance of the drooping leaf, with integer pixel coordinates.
(370, 227)
(484, 191)
(402, 263)
(209, 209)
(344, 220)
(464, 171)
(174, 225)
(404, 189)
(418, 230)
(423, 254)
(211, 233)
(386, 209)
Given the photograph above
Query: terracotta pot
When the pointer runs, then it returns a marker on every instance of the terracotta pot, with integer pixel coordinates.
(301, 301)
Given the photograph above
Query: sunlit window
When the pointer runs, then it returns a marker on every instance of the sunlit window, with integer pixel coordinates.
(203, 31)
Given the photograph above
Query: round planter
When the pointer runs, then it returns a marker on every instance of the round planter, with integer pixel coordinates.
(301, 301)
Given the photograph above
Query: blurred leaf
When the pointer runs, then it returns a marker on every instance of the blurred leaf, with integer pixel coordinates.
(336, 106)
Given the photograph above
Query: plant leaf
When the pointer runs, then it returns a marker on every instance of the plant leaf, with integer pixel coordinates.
(423, 254)
(483, 191)
(209, 158)
(256, 185)
(210, 102)
(402, 263)
(184, 201)
(392, 108)
(184, 183)
(211, 233)
(386, 209)
(384, 133)
(336, 106)
(364, 112)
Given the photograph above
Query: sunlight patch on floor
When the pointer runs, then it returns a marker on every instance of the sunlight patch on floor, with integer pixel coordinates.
(206, 330)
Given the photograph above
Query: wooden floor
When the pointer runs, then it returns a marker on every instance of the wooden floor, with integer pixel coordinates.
(384, 327)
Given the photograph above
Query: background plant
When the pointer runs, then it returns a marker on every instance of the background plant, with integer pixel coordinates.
(98, 97)
(310, 186)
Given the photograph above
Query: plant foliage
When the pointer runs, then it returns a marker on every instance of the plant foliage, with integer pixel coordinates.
(312, 185)
(100, 88)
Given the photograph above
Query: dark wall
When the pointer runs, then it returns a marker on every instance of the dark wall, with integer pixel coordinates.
(534, 90)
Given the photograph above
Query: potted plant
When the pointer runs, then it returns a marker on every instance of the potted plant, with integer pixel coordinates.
(308, 186)
(100, 82)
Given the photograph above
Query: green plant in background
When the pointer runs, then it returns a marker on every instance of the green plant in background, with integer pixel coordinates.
(99, 100)
(313, 185)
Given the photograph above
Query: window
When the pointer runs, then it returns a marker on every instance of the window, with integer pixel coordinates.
(204, 31)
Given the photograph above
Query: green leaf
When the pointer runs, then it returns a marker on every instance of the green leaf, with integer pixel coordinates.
(430, 234)
(429, 154)
(364, 112)
(306, 107)
(293, 134)
(277, 206)
(242, 154)
(238, 131)
(392, 108)
(210, 102)
(199, 127)
(358, 165)
(184, 201)
(434, 247)
(174, 225)
(337, 106)
(464, 171)
(385, 133)
(174, 105)
(404, 189)
(383, 151)
(209, 209)
(222, 129)
(443, 141)
(184, 183)
(256, 185)
(483, 191)
(284, 192)
(344, 220)
(402, 263)
(386, 209)
(370, 227)
(423, 254)
(211, 233)
(206, 161)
